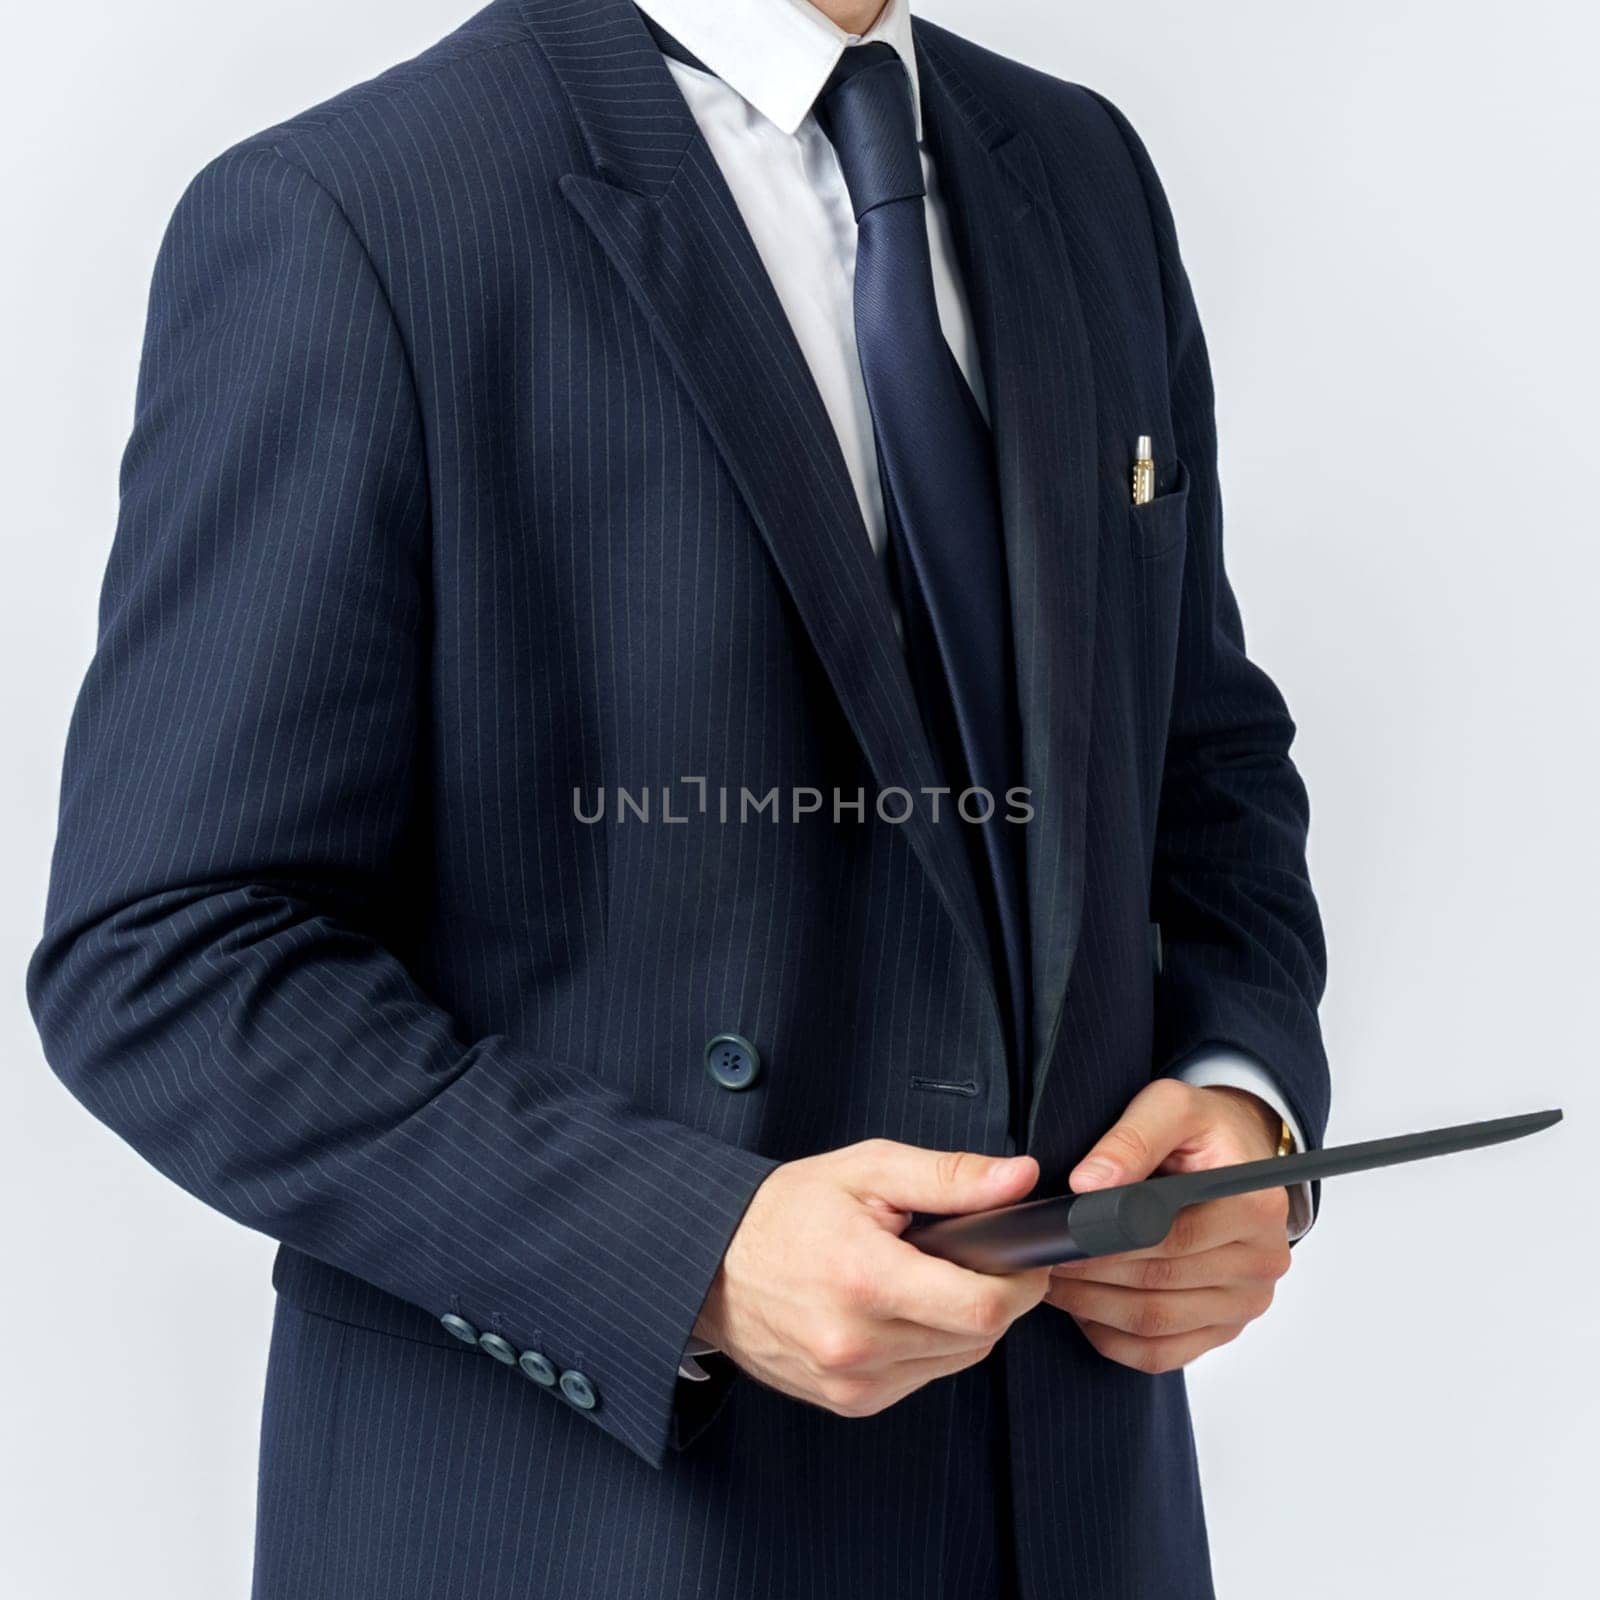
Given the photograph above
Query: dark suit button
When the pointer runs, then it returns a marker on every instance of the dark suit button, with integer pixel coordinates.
(536, 1367)
(733, 1061)
(579, 1390)
(498, 1348)
(1157, 955)
(460, 1327)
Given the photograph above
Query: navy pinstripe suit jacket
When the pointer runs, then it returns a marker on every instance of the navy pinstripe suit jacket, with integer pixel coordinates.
(475, 464)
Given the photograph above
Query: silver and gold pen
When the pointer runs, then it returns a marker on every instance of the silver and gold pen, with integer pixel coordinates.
(1144, 472)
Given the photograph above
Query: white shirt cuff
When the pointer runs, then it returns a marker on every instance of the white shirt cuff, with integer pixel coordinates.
(691, 1369)
(1220, 1067)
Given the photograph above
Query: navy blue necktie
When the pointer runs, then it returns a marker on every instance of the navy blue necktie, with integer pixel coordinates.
(941, 500)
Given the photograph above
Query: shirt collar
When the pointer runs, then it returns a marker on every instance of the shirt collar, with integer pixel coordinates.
(777, 54)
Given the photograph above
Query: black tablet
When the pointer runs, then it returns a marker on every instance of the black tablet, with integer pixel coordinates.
(1136, 1216)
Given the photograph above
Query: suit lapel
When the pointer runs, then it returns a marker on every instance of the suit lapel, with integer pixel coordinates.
(658, 206)
(1036, 363)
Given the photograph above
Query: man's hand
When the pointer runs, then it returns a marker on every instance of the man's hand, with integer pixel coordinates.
(1158, 1309)
(818, 1295)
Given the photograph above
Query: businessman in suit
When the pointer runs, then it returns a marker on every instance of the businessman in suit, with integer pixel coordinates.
(728, 405)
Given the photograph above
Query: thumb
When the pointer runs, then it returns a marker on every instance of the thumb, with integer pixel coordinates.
(908, 1178)
(1158, 1119)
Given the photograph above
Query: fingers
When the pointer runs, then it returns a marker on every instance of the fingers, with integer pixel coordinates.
(1157, 1310)
(1157, 1121)
(1161, 1316)
(901, 1282)
(1156, 1355)
(1234, 1263)
(903, 1177)
(1203, 1127)
(908, 1320)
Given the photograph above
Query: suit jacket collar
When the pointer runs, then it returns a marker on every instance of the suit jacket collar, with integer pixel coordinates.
(659, 207)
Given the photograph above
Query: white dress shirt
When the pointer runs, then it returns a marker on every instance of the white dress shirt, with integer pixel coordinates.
(768, 60)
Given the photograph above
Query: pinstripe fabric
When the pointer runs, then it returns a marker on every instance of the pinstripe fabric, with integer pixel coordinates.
(475, 465)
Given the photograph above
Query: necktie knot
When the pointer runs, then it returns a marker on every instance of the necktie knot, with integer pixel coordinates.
(866, 111)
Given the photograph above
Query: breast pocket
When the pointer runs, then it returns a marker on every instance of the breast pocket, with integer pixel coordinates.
(1160, 525)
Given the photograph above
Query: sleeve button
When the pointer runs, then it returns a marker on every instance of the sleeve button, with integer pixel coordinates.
(579, 1390)
(535, 1366)
(495, 1346)
(460, 1327)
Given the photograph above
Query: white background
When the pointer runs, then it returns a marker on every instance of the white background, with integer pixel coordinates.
(1387, 209)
